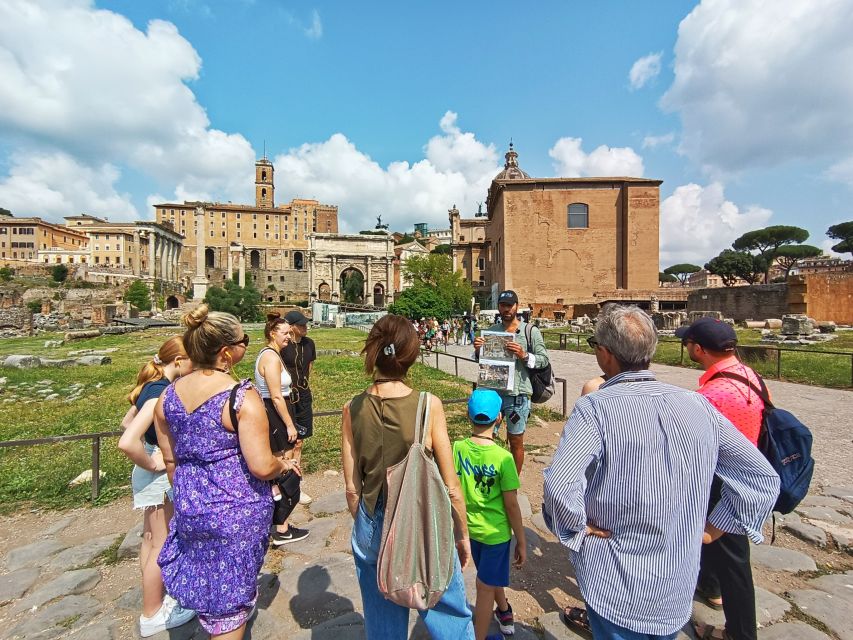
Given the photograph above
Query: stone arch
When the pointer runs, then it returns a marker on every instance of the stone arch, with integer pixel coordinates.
(298, 260)
(209, 258)
(378, 295)
(172, 302)
(254, 259)
(346, 273)
(324, 292)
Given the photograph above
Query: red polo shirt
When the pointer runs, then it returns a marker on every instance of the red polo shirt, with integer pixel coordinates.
(735, 400)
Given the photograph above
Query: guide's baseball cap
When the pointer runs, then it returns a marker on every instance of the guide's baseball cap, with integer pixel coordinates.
(508, 297)
(709, 333)
(295, 317)
(484, 406)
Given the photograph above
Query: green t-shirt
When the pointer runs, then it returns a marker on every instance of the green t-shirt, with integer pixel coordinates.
(485, 472)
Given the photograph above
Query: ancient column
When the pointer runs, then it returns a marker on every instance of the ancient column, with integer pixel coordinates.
(200, 281)
(241, 278)
(230, 261)
(151, 256)
(137, 253)
(389, 279)
(334, 282)
(164, 242)
(311, 268)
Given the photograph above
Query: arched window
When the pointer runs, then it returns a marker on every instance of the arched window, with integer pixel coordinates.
(263, 176)
(578, 216)
(298, 261)
(209, 258)
(264, 194)
(255, 259)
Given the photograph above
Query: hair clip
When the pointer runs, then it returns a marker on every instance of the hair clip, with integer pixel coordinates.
(157, 360)
(390, 350)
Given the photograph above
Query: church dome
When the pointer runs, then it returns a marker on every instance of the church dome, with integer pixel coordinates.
(511, 169)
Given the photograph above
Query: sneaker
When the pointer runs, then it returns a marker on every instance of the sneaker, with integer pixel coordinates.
(293, 534)
(304, 498)
(170, 616)
(505, 620)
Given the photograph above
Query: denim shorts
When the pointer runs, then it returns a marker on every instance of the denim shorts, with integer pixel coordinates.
(150, 488)
(492, 562)
(515, 405)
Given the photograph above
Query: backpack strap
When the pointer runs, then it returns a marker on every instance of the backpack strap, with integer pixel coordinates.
(761, 391)
(232, 404)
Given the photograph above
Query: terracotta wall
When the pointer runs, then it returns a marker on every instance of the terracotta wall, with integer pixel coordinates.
(822, 296)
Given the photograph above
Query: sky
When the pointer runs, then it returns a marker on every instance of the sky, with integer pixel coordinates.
(744, 108)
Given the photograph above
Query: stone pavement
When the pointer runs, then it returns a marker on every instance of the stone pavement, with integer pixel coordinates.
(67, 578)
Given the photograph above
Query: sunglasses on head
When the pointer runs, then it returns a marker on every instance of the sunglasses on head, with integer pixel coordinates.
(244, 341)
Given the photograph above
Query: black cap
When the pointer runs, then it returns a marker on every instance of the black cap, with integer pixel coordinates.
(295, 317)
(508, 297)
(709, 333)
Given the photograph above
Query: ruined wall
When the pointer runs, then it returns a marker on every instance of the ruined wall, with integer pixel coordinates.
(755, 302)
(822, 296)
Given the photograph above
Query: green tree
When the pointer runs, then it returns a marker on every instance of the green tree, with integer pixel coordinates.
(137, 295)
(59, 273)
(443, 249)
(666, 277)
(768, 240)
(788, 256)
(844, 233)
(420, 301)
(406, 239)
(5, 212)
(353, 287)
(436, 270)
(242, 302)
(732, 266)
(682, 271)
(6, 273)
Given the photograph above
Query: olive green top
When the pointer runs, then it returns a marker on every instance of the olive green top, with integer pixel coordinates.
(383, 429)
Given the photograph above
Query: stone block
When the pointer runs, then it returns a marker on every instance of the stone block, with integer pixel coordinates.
(349, 626)
(839, 585)
(779, 559)
(814, 500)
(320, 591)
(825, 608)
(791, 631)
(524, 506)
(100, 630)
(58, 618)
(769, 607)
(796, 325)
(14, 585)
(68, 583)
(34, 554)
(806, 532)
(826, 327)
(320, 530)
(94, 360)
(693, 316)
(58, 363)
(826, 514)
(132, 543)
(842, 493)
(331, 503)
(22, 361)
(82, 554)
(773, 323)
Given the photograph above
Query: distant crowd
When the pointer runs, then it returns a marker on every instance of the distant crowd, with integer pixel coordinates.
(655, 491)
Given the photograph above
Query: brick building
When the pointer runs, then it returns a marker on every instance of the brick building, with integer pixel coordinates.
(30, 239)
(563, 241)
(271, 241)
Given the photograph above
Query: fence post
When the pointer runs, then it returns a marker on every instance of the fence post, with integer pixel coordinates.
(778, 363)
(681, 360)
(436, 359)
(456, 364)
(851, 370)
(565, 400)
(96, 468)
(579, 342)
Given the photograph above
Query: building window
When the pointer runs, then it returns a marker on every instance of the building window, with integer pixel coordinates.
(578, 216)
(481, 263)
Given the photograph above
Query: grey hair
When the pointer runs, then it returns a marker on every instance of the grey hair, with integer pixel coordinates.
(629, 334)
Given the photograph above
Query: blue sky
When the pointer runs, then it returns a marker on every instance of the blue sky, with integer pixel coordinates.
(744, 108)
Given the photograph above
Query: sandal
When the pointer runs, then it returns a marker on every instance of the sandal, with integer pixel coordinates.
(710, 632)
(708, 599)
(575, 618)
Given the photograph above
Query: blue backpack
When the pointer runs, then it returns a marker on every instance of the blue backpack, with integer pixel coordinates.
(786, 443)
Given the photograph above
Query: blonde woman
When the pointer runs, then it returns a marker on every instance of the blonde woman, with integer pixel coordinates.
(220, 469)
(273, 382)
(151, 489)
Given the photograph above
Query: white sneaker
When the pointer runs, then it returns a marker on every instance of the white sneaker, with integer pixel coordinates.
(304, 498)
(169, 616)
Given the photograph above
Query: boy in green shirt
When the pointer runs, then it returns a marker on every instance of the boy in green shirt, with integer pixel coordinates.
(489, 483)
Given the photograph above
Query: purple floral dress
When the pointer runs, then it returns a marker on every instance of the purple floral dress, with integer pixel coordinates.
(219, 533)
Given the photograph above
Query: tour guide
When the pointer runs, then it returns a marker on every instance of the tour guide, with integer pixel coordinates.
(516, 403)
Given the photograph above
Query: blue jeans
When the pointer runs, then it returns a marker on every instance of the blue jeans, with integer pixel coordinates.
(603, 629)
(450, 619)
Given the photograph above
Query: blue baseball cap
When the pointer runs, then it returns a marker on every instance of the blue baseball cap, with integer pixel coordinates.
(709, 333)
(484, 406)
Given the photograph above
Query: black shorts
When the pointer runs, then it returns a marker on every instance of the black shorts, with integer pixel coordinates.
(302, 412)
(278, 430)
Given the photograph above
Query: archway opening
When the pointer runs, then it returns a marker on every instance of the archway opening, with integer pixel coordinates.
(352, 285)
(324, 292)
(378, 295)
(172, 302)
(255, 259)
(209, 256)
(298, 261)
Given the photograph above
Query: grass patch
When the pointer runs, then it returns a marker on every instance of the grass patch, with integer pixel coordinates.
(109, 556)
(39, 475)
(807, 364)
(69, 621)
(795, 614)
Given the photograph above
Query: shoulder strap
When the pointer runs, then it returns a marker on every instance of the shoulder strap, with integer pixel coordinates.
(232, 409)
(528, 334)
(760, 391)
(422, 420)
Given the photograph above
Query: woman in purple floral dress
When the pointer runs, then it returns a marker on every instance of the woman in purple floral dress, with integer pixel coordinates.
(219, 472)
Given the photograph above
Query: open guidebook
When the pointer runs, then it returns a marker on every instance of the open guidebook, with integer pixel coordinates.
(497, 364)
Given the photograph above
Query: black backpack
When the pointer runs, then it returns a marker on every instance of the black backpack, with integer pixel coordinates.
(542, 380)
(786, 443)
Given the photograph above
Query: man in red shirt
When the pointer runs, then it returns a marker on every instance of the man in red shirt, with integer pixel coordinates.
(725, 575)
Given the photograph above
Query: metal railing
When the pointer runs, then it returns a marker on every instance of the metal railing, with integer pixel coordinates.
(564, 406)
(563, 341)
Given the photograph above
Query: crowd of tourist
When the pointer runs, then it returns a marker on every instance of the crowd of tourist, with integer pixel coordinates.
(650, 483)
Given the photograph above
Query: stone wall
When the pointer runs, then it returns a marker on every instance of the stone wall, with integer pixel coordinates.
(17, 318)
(822, 296)
(755, 302)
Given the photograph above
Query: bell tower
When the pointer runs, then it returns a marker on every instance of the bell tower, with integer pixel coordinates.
(264, 186)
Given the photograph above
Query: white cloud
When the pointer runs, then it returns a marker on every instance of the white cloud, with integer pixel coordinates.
(696, 223)
(650, 142)
(842, 171)
(644, 69)
(758, 83)
(315, 31)
(87, 82)
(570, 160)
(457, 170)
(53, 185)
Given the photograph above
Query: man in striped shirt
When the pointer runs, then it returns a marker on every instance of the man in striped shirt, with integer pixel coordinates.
(725, 575)
(627, 491)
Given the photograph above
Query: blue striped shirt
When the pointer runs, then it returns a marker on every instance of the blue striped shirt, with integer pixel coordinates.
(637, 458)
